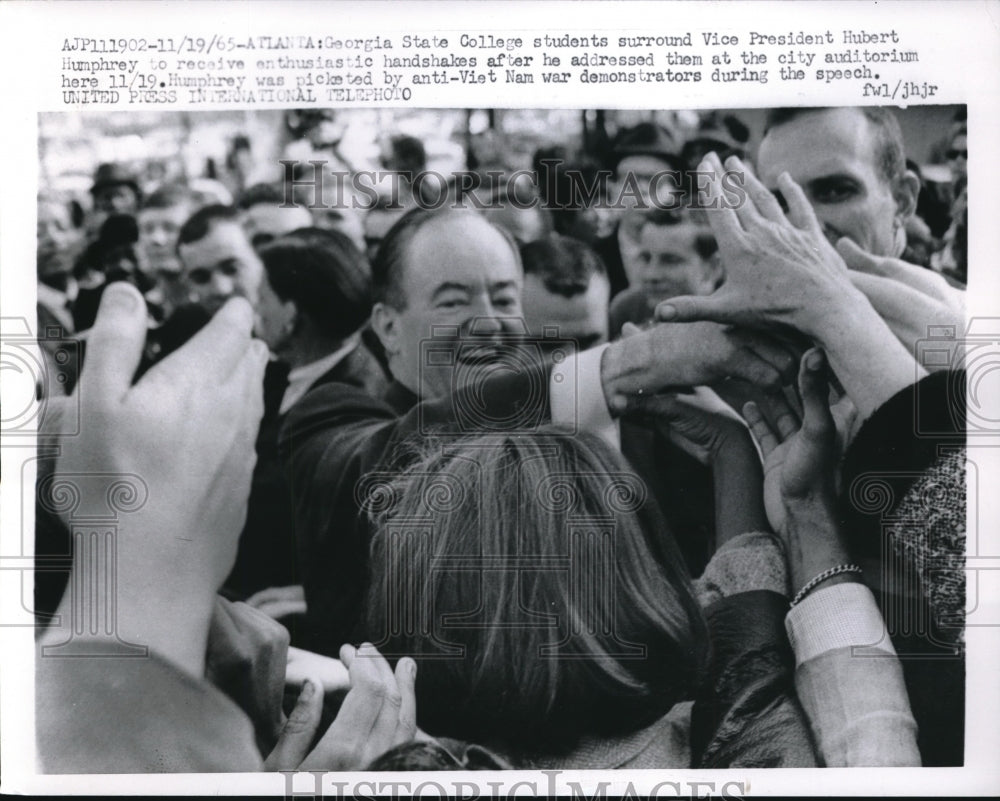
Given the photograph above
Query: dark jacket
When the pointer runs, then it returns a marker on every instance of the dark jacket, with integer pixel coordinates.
(904, 506)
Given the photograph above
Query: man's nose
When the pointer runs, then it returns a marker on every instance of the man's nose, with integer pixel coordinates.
(486, 324)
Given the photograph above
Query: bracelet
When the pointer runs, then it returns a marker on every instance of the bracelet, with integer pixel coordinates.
(817, 580)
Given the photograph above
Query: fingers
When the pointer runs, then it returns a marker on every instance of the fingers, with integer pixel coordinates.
(909, 276)
(661, 407)
(748, 365)
(406, 680)
(724, 221)
(383, 734)
(817, 420)
(211, 355)
(115, 344)
(715, 307)
(800, 210)
(298, 732)
(353, 739)
(760, 429)
(292, 592)
(761, 203)
(330, 672)
(777, 354)
(630, 330)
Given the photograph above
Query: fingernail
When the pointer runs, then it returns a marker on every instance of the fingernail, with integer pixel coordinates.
(666, 312)
(120, 296)
(618, 403)
(814, 361)
(308, 690)
(411, 668)
(260, 350)
(705, 166)
(240, 309)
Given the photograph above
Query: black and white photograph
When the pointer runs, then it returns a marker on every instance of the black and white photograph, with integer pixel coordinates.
(567, 439)
(369, 443)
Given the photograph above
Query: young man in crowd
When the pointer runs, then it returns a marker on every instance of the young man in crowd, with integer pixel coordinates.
(677, 256)
(566, 289)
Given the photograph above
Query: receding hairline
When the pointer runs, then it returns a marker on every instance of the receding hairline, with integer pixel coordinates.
(882, 127)
(434, 224)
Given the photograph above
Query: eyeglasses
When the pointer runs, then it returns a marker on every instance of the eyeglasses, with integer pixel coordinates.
(954, 154)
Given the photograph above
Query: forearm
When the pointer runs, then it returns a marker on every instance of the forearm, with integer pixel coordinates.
(814, 545)
(739, 492)
(169, 621)
(849, 680)
(866, 356)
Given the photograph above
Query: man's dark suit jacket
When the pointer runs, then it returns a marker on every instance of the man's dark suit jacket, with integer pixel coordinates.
(336, 435)
(267, 552)
(610, 252)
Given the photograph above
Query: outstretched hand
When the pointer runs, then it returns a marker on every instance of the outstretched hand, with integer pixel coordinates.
(697, 431)
(780, 268)
(378, 713)
(186, 432)
(799, 456)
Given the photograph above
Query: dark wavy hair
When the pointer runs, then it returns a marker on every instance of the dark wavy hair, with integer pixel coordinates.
(538, 588)
(324, 274)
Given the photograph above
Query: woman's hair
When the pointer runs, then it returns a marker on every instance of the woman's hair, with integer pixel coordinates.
(537, 587)
(433, 755)
(324, 274)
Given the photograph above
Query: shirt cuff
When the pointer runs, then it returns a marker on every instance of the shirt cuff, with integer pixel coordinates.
(840, 616)
(576, 396)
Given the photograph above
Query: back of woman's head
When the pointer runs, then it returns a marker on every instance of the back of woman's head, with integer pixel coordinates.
(324, 274)
(537, 587)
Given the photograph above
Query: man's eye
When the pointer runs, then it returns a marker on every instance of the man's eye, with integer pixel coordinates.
(504, 302)
(199, 276)
(833, 191)
(450, 303)
(671, 259)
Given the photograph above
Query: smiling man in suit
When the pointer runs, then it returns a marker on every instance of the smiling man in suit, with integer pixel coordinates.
(448, 312)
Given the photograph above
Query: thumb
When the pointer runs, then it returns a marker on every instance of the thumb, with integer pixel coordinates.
(817, 420)
(648, 407)
(299, 730)
(630, 330)
(115, 345)
(856, 257)
(692, 308)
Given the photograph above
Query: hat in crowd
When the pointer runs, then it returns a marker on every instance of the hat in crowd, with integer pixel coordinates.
(646, 139)
(112, 174)
(726, 135)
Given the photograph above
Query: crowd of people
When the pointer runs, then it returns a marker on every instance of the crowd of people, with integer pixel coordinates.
(579, 482)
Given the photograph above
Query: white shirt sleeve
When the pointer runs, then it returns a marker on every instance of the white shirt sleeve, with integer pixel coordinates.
(576, 396)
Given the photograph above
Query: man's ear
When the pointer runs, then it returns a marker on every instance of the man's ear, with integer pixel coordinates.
(385, 325)
(905, 192)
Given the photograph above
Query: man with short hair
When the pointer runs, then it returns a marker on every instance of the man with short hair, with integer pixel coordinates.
(448, 311)
(565, 288)
(160, 219)
(677, 256)
(643, 159)
(265, 216)
(851, 164)
(217, 258)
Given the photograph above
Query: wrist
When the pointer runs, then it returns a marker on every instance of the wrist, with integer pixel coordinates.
(623, 367)
(830, 311)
